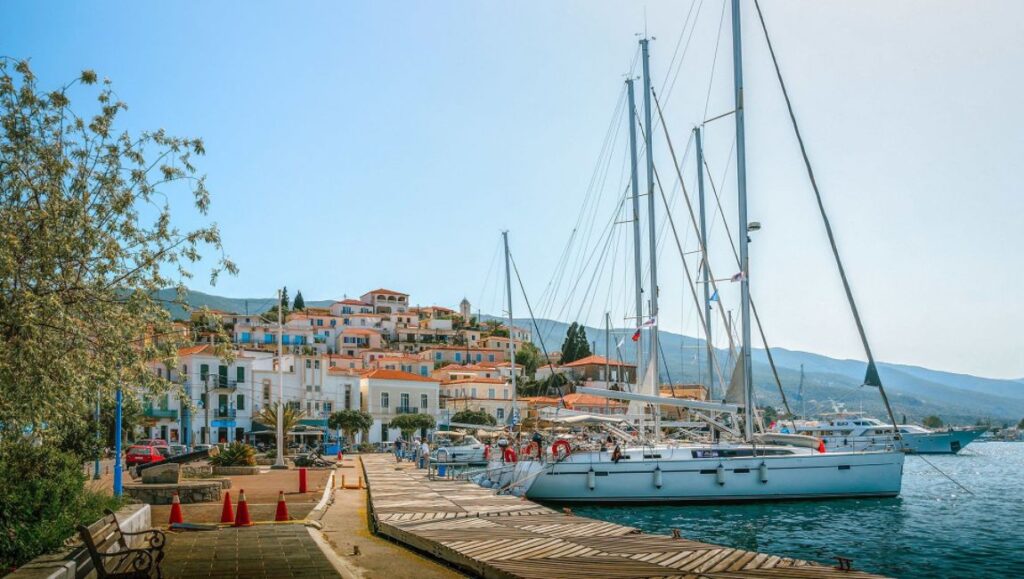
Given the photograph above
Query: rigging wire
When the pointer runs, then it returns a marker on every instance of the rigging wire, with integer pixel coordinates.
(871, 378)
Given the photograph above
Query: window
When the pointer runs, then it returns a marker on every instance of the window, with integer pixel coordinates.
(423, 370)
(384, 399)
(204, 372)
(404, 400)
(490, 393)
(424, 402)
(490, 357)
(384, 432)
(437, 356)
(327, 407)
(184, 369)
(317, 406)
(309, 407)
(505, 395)
(472, 392)
(240, 402)
(266, 391)
(458, 356)
(309, 388)
(319, 322)
(316, 364)
(160, 372)
(501, 413)
(308, 364)
(240, 374)
(479, 357)
(348, 397)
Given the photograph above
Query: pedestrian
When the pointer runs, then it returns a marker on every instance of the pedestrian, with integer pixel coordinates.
(398, 449)
(414, 450)
(424, 454)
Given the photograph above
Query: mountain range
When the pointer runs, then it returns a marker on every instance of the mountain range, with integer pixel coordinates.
(914, 392)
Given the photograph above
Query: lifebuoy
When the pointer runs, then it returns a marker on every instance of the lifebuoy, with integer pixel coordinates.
(561, 444)
(510, 455)
(527, 449)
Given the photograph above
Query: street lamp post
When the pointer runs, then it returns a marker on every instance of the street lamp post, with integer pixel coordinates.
(279, 463)
(99, 441)
(117, 442)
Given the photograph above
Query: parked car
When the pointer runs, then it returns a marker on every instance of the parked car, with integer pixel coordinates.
(143, 454)
(198, 447)
(178, 449)
(151, 442)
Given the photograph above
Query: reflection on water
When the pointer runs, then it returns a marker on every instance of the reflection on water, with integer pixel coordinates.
(933, 529)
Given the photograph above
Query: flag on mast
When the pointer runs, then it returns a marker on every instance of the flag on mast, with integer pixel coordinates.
(649, 323)
(714, 297)
(738, 277)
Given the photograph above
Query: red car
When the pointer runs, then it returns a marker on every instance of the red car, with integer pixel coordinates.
(141, 454)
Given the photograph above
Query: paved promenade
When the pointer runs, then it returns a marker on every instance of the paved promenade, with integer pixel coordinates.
(263, 551)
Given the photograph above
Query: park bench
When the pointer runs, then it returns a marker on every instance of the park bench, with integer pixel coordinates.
(113, 557)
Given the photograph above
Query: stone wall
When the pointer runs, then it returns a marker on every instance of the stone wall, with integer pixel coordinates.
(190, 491)
(235, 470)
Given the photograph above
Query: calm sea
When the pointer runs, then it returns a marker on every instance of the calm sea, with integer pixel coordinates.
(933, 529)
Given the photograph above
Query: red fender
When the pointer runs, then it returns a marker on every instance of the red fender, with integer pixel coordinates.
(821, 446)
(561, 444)
(510, 455)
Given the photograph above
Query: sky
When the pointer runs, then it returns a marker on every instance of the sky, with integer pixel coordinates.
(355, 145)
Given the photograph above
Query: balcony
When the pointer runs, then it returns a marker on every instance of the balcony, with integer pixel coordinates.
(407, 410)
(224, 413)
(161, 413)
(221, 383)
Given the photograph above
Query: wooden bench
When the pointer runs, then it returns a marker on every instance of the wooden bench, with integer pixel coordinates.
(113, 557)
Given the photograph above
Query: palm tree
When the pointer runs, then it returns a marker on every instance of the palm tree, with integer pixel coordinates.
(267, 416)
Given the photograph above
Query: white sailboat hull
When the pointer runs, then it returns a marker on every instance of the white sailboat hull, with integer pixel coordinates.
(593, 477)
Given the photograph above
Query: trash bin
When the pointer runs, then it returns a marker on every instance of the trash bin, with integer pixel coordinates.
(441, 468)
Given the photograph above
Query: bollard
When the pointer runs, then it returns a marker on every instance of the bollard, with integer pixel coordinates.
(342, 481)
(302, 480)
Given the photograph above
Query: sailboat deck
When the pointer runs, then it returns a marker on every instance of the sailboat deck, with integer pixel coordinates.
(487, 535)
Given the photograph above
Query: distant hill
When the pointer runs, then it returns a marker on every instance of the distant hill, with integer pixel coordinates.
(913, 391)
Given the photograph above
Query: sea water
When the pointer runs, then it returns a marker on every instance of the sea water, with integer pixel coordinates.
(933, 529)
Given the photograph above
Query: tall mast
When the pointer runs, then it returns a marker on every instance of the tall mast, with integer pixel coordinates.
(705, 267)
(741, 186)
(607, 348)
(637, 263)
(649, 134)
(511, 342)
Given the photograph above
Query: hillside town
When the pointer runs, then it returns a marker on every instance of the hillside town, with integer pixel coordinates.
(377, 354)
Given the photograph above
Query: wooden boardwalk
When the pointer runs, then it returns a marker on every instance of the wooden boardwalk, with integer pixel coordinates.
(503, 536)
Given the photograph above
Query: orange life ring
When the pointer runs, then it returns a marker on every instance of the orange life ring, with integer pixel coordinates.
(562, 444)
(510, 455)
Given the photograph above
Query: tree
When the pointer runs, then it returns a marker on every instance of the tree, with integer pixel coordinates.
(1020, 425)
(350, 422)
(87, 240)
(575, 346)
(267, 416)
(529, 357)
(409, 423)
(284, 298)
(500, 332)
(299, 304)
(474, 417)
(932, 421)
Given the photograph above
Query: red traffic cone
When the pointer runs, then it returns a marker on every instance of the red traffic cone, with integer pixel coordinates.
(282, 508)
(242, 519)
(176, 516)
(227, 515)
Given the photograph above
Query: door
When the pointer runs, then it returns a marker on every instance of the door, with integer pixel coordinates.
(222, 405)
(240, 434)
(222, 434)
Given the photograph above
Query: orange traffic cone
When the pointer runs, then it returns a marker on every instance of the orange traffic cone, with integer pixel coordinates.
(227, 515)
(282, 508)
(242, 520)
(176, 516)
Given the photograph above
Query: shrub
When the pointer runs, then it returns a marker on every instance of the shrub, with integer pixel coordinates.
(42, 498)
(474, 417)
(236, 454)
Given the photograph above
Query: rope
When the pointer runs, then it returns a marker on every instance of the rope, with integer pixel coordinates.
(944, 474)
(872, 378)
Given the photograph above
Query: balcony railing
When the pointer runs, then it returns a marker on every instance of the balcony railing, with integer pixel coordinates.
(407, 410)
(161, 413)
(222, 383)
(225, 412)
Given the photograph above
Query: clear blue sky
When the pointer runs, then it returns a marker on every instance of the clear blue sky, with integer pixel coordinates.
(356, 145)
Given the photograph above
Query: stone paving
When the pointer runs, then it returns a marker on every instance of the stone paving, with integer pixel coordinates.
(263, 551)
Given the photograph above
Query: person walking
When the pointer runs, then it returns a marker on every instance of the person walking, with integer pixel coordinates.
(424, 454)
(398, 449)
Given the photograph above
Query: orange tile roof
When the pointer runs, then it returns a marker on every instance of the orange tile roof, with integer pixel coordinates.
(378, 374)
(387, 291)
(572, 400)
(340, 370)
(190, 350)
(473, 381)
(595, 360)
(352, 302)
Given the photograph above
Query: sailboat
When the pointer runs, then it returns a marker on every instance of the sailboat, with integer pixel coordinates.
(753, 467)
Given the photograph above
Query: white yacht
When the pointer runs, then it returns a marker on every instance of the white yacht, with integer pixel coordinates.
(845, 431)
(463, 449)
(708, 473)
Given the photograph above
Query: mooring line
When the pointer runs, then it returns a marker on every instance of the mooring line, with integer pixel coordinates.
(944, 474)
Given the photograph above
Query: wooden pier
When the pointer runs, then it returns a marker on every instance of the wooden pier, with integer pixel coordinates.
(493, 536)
